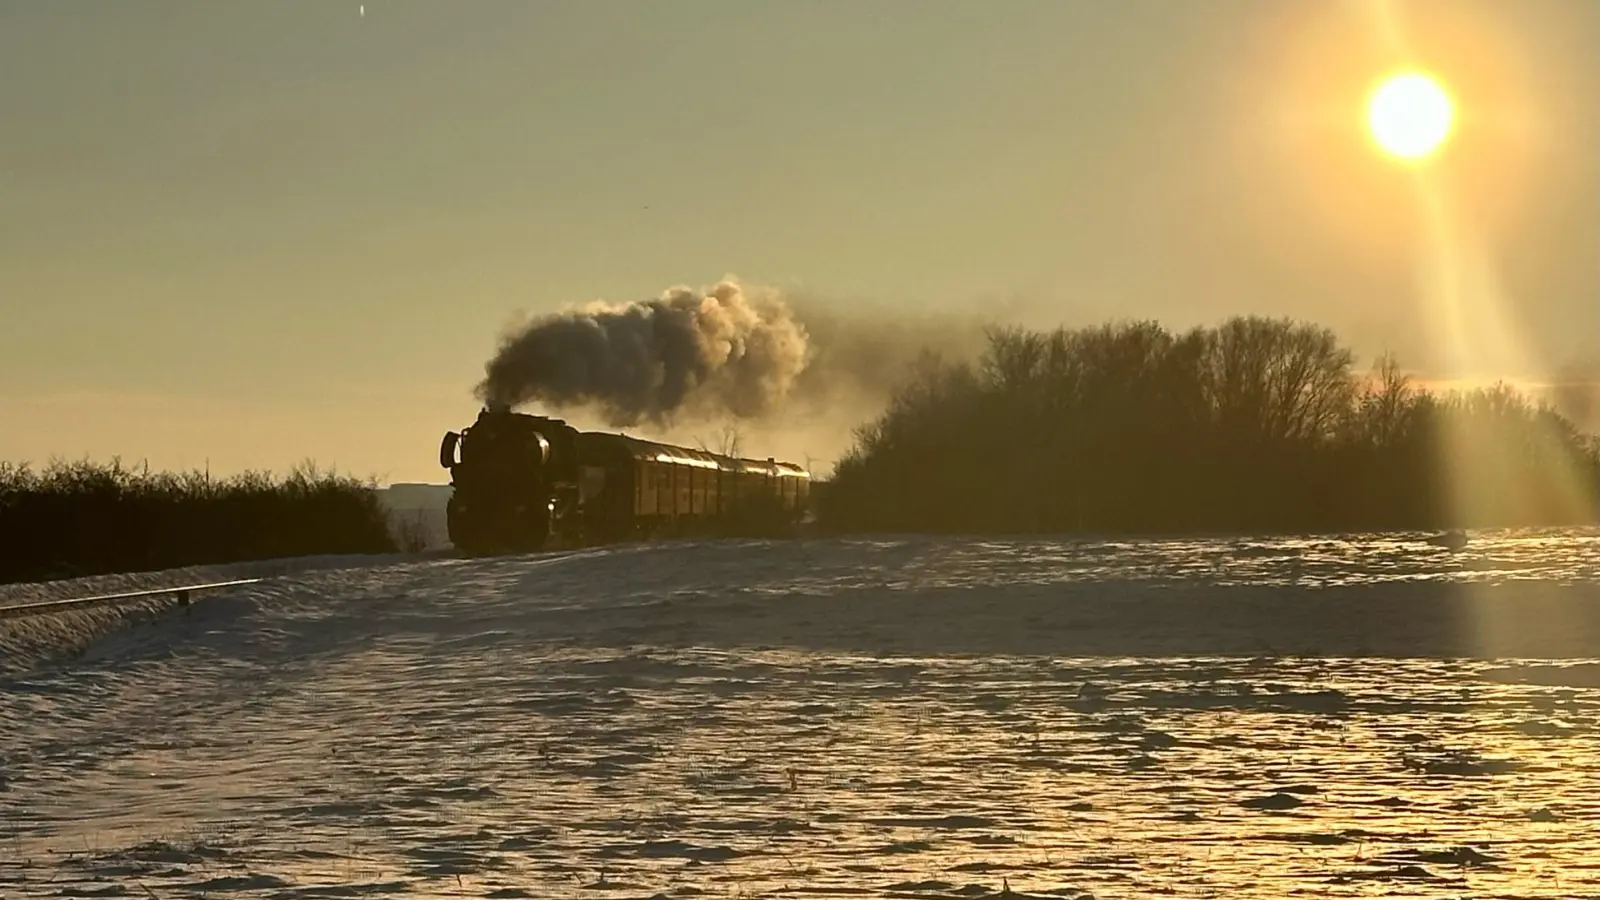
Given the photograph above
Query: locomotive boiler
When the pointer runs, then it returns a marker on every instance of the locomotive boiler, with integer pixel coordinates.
(523, 482)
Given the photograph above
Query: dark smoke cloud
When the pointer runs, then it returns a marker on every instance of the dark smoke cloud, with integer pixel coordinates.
(717, 351)
(731, 351)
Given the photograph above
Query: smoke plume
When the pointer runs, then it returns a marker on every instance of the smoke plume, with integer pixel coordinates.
(721, 351)
(719, 354)
(729, 352)
(860, 354)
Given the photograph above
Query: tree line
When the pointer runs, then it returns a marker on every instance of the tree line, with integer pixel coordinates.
(84, 518)
(1253, 425)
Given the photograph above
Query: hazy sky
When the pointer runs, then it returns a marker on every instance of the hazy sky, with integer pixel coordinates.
(254, 232)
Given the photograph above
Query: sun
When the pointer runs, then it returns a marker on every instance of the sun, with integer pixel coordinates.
(1410, 115)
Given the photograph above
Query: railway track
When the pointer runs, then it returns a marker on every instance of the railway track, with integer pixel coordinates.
(182, 593)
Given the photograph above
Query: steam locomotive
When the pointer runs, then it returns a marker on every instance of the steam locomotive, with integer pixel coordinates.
(523, 482)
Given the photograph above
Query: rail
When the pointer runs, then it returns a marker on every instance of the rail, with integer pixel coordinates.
(181, 592)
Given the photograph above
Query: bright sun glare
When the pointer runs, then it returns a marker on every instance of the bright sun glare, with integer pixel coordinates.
(1410, 115)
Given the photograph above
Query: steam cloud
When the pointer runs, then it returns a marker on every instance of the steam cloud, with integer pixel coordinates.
(718, 351)
(728, 351)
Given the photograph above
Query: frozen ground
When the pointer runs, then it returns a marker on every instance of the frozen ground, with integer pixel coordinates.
(918, 718)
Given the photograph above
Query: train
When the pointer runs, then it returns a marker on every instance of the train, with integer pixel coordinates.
(522, 482)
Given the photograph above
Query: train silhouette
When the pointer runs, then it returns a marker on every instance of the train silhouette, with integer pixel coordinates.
(522, 482)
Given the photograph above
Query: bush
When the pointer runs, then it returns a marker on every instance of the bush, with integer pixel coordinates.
(86, 518)
(1255, 425)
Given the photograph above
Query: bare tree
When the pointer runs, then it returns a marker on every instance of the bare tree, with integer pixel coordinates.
(1385, 403)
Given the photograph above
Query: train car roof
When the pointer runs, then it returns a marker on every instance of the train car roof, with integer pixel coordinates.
(620, 447)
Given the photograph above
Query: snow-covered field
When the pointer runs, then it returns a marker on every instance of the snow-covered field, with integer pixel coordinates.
(918, 717)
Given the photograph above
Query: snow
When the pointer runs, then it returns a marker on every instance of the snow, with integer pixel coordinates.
(895, 716)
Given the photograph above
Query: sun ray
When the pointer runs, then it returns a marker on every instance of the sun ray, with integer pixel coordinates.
(1411, 117)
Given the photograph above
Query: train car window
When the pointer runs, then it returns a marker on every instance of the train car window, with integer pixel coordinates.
(591, 483)
(666, 502)
(635, 491)
(645, 477)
